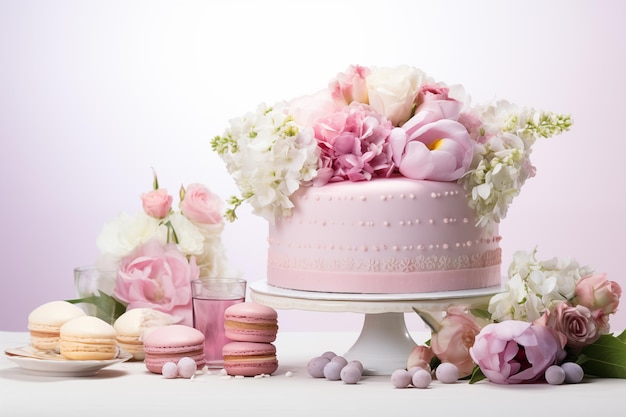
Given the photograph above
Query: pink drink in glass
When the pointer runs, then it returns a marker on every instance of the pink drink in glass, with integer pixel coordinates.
(208, 317)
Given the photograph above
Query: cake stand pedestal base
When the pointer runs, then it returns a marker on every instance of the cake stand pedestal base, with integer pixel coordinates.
(384, 343)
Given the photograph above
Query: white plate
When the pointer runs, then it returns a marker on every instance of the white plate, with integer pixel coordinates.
(53, 364)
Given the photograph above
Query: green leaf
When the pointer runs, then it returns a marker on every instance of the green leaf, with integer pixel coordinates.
(477, 375)
(622, 336)
(605, 358)
(481, 313)
(428, 319)
(108, 308)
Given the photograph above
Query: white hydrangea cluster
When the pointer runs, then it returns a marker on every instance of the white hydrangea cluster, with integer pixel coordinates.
(534, 285)
(269, 157)
(502, 158)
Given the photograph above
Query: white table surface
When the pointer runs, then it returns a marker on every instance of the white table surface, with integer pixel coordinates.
(128, 389)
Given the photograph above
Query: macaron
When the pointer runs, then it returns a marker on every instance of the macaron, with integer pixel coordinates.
(172, 343)
(45, 321)
(250, 322)
(133, 325)
(249, 358)
(88, 338)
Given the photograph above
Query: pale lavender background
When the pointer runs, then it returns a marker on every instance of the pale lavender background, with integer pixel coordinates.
(94, 94)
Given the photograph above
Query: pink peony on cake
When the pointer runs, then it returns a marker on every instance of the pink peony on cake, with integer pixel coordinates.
(385, 181)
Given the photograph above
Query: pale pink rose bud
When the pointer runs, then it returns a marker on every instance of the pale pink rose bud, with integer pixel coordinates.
(200, 205)
(350, 86)
(596, 292)
(420, 356)
(157, 203)
(451, 342)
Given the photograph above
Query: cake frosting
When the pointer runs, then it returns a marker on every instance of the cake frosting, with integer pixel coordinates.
(385, 181)
(393, 235)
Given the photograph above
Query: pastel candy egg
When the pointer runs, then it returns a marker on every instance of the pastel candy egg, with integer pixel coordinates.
(332, 371)
(315, 367)
(170, 370)
(400, 378)
(350, 374)
(421, 378)
(186, 367)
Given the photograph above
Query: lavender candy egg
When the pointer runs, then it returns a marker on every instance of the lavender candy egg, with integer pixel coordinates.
(447, 373)
(555, 375)
(400, 378)
(169, 370)
(414, 369)
(350, 374)
(315, 367)
(187, 367)
(573, 372)
(343, 361)
(358, 364)
(421, 378)
(332, 371)
(329, 354)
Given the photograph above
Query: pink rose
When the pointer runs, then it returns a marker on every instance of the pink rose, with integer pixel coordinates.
(597, 292)
(354, 146)
(200, 205)
(157, 203)
(454, 337)
(513, 351)
(440, 151)
(433, 104)
(580, 326)
(306, 110)
(350, 86)
(421, 356)
(157, 276)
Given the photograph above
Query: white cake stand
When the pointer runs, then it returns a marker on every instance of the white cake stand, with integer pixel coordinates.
(384, 343)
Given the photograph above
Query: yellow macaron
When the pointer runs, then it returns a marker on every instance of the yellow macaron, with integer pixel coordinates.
(88, 338)
(45, 321)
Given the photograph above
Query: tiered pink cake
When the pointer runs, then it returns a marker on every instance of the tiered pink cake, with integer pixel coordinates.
(393, 235)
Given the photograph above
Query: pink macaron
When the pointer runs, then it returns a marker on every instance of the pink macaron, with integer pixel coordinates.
(249, 358)
(170, 344)
(250, 322)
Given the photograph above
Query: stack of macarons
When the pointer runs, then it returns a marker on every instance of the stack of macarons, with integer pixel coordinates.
(171, 344)
(252, 327)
